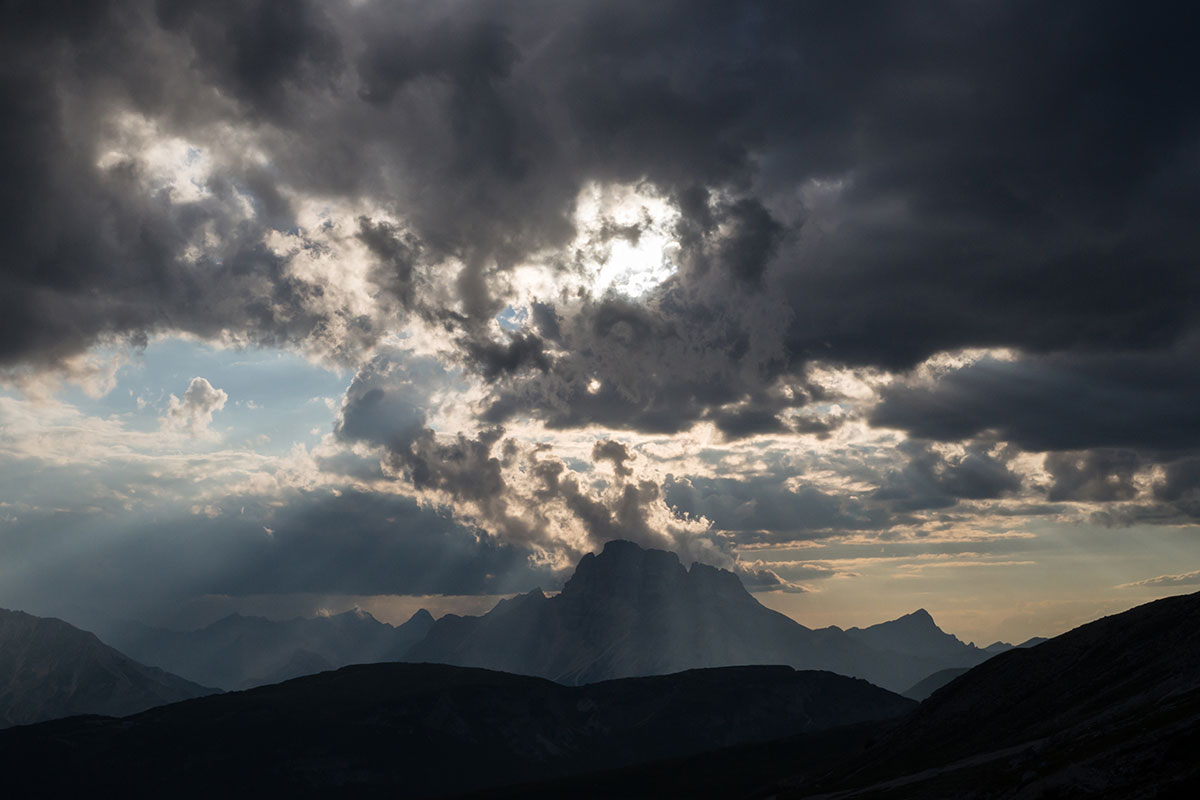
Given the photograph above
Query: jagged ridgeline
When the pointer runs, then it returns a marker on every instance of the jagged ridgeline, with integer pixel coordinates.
(625, 612)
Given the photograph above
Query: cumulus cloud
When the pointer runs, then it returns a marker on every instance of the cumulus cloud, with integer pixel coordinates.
(501, 115)
(521, 492)
(622, 221)
(193, 412)
(615, 453)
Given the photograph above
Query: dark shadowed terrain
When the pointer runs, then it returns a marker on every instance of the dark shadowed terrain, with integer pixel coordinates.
(1111, 708)
(50, 669)
(423, 730)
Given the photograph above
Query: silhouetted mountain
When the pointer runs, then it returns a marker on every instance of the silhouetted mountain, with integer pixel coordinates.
(301, 662)
(927, 686)
(238, 652)
(630, 611)
(915, 634)
(49, 669)
(1111, 708)
(1000, 647)
(417, 730)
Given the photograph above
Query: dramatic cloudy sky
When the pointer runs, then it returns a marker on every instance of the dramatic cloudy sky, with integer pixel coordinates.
(306, 305)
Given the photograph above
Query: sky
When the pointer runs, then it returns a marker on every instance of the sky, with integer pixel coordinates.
(307, 306)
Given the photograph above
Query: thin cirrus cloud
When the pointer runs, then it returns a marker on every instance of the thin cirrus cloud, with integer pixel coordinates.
(1183, 579)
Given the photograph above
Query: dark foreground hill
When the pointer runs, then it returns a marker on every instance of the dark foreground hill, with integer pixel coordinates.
(420, 730)
(1109, 709)
(630, 611)
(49, 669)
(923, 688)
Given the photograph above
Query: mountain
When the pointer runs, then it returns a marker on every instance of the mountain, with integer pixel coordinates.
(238, 652)
(630, 611)
(422, 730)
(931, 683)
(1000, 647)
(49, 669)
(915, 634)
(1110, 709)
(927, 686)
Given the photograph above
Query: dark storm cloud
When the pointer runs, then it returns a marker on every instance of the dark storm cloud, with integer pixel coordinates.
(1182, 478)
(88, 252)
(1016, 176)
(495, 359)
(752, 241)
(766, 504)
(260, 51)
(1064, 402)
(1096, 475)
(396, 255)
(386, 405)
(616, 453)
(659, 365)
(923, 488)
(859, 184)
(931, 481)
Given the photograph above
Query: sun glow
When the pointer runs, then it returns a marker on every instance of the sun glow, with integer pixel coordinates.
(626, 238)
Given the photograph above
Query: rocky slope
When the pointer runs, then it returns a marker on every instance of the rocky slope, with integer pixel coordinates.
(49, 669)
(630, 611)
(1110, 709)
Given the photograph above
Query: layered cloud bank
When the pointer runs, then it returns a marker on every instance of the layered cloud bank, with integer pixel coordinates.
(728, 280)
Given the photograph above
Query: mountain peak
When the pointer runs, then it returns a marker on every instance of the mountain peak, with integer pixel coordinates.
(717, 581)
(614, 546)
(915, 633)
(52, 669)
(920, 615)
(623, 567)
(421, 617)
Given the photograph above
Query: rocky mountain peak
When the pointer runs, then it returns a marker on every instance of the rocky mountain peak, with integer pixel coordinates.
(623, 570)
(920, 617)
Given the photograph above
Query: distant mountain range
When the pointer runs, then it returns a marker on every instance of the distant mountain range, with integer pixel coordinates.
(239, 652)
(1003, 647)
(626, 612)
(930, 684)
(421, 730)
(630, 611)
(49, 669)
(1111, 709)
(1108, 710)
